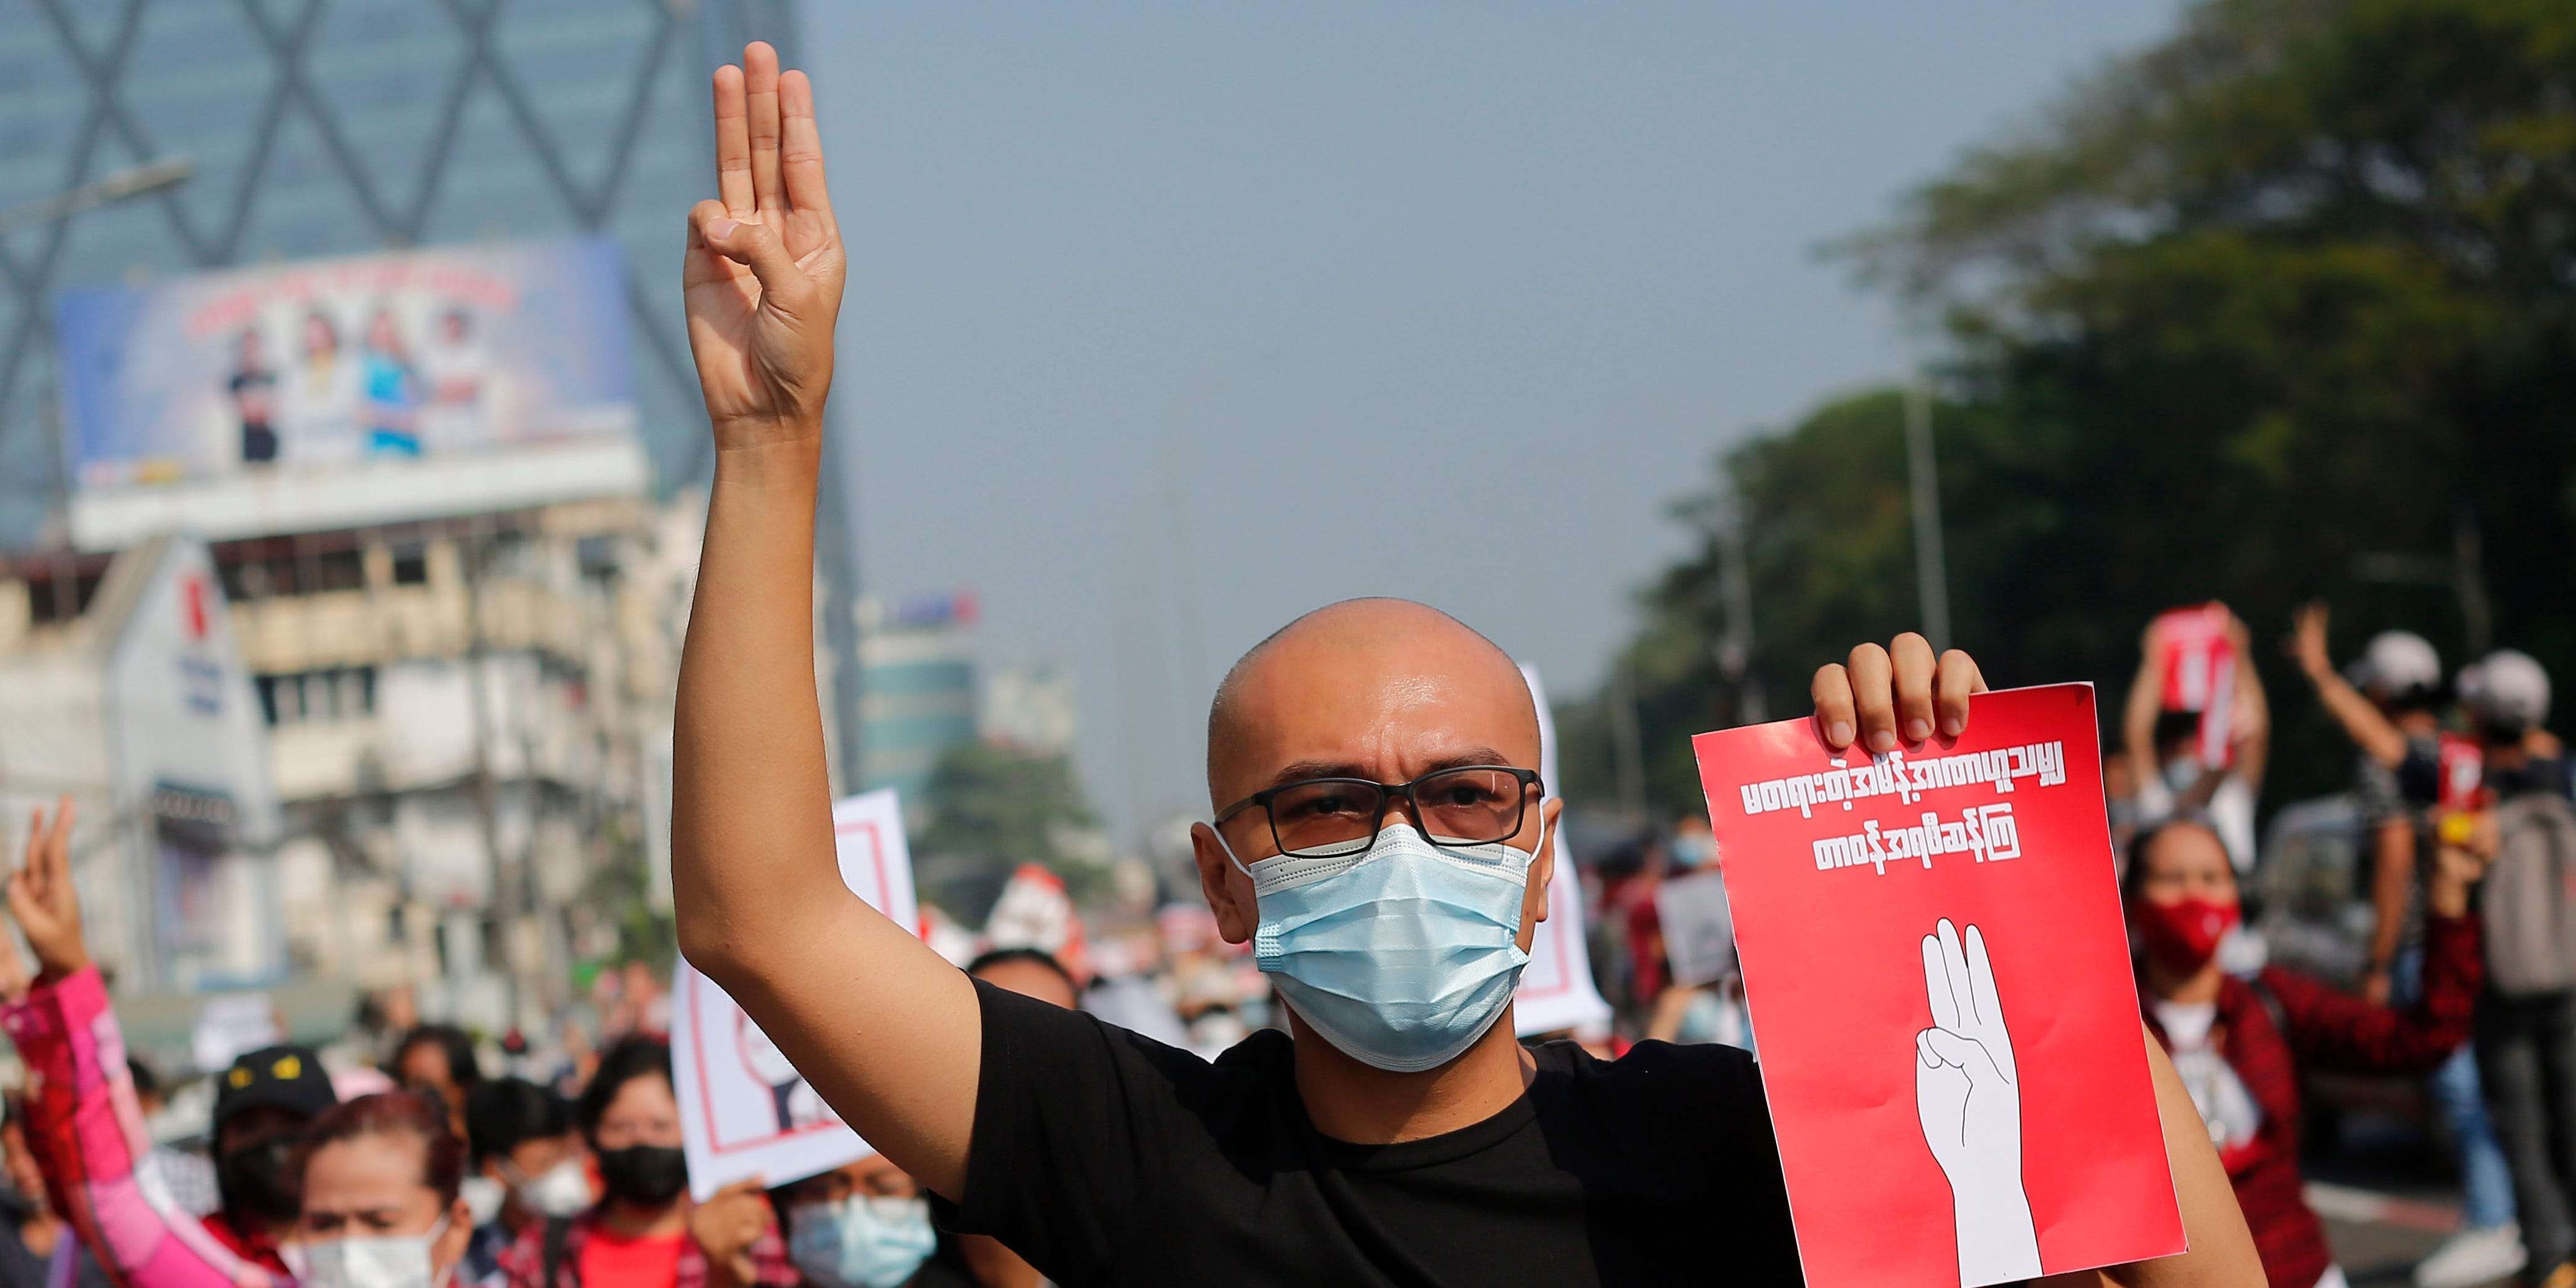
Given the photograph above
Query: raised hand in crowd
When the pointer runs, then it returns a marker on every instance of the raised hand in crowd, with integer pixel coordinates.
(43, 899)
(725, 1228)
(764, 271)
(2361, 719)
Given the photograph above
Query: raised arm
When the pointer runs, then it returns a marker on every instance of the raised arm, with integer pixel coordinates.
(2138, 713)
(2253, 716)
(885, 1030)
(84, 1124)
(2362, 721)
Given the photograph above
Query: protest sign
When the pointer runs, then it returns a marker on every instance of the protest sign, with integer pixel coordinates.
(230, 1024)
(2463, 768)
(744, 1110)
(1699, 931)
(2197, 663)
(1934, 955)
(1556, 991)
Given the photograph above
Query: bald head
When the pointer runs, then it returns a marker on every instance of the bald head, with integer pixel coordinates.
(1385, 686)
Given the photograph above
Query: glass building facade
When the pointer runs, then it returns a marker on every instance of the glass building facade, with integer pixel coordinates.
(329, 127)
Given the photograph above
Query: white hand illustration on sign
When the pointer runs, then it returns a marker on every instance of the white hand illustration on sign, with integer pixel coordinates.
(1967, 1092)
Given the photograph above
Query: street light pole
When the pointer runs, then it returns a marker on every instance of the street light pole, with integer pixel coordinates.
(1930, 578)
(122, 185)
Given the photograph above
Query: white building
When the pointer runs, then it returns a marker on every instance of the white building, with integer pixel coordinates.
(447, 743)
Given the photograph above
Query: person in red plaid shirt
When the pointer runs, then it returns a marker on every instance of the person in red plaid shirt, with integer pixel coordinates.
(2240, 1044)
(645, 1232)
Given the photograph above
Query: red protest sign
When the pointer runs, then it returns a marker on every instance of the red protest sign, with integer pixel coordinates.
(1938, 974)
(2463, 768)
(2198, 666)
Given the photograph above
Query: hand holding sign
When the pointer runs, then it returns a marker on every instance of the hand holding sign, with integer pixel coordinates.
(1968, 1093)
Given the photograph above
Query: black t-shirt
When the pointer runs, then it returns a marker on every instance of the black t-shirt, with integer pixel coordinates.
(1104, 1157)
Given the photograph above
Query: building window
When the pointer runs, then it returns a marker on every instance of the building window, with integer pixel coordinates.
(340, 693)
(411, 566)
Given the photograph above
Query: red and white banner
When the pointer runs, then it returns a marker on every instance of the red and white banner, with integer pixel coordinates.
(1935, 960)
(744, 1110)
(1556, 992)
(2198, 666)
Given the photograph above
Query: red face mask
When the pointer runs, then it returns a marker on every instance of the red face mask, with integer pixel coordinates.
(2182, 935)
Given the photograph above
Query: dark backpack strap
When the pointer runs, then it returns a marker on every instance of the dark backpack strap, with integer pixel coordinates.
(2271, 1006)
(558, 1235)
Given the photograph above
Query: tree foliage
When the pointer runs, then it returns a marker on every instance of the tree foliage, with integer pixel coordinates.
(992, 808)
(2240, 316)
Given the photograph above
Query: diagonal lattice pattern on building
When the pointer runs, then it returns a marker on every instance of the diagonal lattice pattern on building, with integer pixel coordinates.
(324, 127)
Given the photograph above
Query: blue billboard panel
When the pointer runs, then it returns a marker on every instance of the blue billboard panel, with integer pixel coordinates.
(309, 371)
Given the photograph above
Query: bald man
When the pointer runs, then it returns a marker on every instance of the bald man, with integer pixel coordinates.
(1378, 832)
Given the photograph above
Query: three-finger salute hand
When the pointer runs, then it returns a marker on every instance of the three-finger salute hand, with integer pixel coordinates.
(1880, 696)
(1967, 1095)
(42, 898)
(764, 269)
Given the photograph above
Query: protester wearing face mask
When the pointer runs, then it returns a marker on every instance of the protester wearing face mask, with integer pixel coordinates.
(379, 1177)
(1379, 836)
(864, 1225)
(87, 1127)
(2388, 702)
(2240, 1045)
(1713, 1011)
(2164, 748)
(438, 1061)
(528, 1164)
(645, 1232)
(2526, 1024)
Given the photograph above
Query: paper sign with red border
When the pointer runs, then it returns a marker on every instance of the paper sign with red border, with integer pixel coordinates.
(1939, 977)
(744, 1110)
(1556, 991)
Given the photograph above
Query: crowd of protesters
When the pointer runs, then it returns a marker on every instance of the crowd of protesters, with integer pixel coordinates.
(1155, 1121)
(419, 1172)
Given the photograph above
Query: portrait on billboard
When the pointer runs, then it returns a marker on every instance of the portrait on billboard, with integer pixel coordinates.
(215, 398)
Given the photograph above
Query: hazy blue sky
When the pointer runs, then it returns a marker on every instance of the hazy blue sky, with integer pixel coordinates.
(1169, 322)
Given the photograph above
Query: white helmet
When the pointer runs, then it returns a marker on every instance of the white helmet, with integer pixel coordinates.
(2506, 689)
(2396, 663)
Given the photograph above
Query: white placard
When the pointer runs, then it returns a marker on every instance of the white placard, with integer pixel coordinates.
(1556, 990)
(1699, 932)
(744, 1111)
(230, 1025)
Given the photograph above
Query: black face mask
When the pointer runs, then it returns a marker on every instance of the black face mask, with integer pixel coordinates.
(254, 1183)
(644, 1175)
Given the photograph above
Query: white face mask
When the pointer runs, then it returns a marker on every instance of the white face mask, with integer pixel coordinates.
(382, 1261)
(482, 1197)
(561, 1190)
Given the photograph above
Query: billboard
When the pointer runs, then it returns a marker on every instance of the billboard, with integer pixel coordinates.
(333, 393)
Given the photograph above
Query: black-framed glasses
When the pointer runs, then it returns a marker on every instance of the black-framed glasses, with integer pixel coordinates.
(1324, 817)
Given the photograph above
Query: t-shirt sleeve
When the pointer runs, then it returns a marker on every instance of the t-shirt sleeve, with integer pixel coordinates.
(2419, 775)
(1075, 1120)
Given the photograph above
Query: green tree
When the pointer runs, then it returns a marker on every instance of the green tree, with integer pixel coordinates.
(992, 808)
(2239, 314)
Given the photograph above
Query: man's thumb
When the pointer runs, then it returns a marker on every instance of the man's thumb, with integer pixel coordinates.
(752, 244)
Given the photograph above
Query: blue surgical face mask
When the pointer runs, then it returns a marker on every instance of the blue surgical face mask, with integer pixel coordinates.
(1402, 955)
(1690, 849)
(863, 1241)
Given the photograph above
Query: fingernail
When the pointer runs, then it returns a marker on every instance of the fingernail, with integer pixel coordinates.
(1840, 734)
(1882, 741)
(719, 229)
(1917, 730)
(1951, 725)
